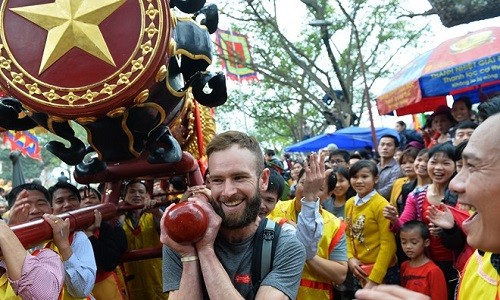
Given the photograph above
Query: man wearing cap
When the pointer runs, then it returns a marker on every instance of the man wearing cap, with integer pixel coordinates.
(388, 167)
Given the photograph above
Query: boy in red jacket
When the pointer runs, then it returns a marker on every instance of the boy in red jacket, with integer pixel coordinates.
(420, 274)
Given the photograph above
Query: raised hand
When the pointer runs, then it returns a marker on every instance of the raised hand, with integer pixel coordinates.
(441, 216)
(315, 177)
(19, 213)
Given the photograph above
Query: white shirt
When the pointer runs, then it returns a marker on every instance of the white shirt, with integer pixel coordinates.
(310, 226)
(360, 201)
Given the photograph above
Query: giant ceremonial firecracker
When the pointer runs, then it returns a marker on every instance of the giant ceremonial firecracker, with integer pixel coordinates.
(128, 71)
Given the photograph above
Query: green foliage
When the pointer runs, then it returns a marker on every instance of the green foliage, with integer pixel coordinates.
(295, 72)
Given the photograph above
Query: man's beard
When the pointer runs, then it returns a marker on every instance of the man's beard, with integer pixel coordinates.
(249, 214)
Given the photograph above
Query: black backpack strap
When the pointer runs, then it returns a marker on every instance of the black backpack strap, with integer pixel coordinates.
(266, 241)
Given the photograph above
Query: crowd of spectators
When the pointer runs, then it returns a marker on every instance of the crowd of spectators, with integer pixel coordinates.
(344, 221)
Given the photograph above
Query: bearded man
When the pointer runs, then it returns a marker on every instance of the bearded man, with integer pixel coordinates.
(219, 265)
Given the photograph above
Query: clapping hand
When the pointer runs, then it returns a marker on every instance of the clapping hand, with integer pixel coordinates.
(441, 216)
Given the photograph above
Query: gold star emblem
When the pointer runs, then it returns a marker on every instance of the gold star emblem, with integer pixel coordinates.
(71, 23)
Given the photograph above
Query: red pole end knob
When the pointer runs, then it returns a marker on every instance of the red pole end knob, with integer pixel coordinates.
(186, 222)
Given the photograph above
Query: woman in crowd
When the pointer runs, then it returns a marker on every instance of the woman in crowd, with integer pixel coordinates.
(441, 120)
(461, 110)
(418, 178)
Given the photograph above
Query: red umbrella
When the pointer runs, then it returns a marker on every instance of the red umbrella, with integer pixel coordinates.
(464, 66)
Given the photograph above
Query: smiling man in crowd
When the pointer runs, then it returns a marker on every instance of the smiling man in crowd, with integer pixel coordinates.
(219, 265)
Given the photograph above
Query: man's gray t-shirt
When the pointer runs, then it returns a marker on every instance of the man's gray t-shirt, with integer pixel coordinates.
(236, 259)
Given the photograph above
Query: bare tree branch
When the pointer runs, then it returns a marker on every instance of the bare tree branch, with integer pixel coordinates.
(430, 12)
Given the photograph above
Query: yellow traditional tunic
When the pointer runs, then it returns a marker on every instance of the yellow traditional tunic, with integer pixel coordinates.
(313, 287)
(110, 286)
(144, 277)
(480, 279)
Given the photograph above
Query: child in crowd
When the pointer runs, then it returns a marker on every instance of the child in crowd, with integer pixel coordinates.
(371, 247)
(420, 274)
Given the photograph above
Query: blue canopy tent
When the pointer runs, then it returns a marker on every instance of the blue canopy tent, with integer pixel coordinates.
(350, 138)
